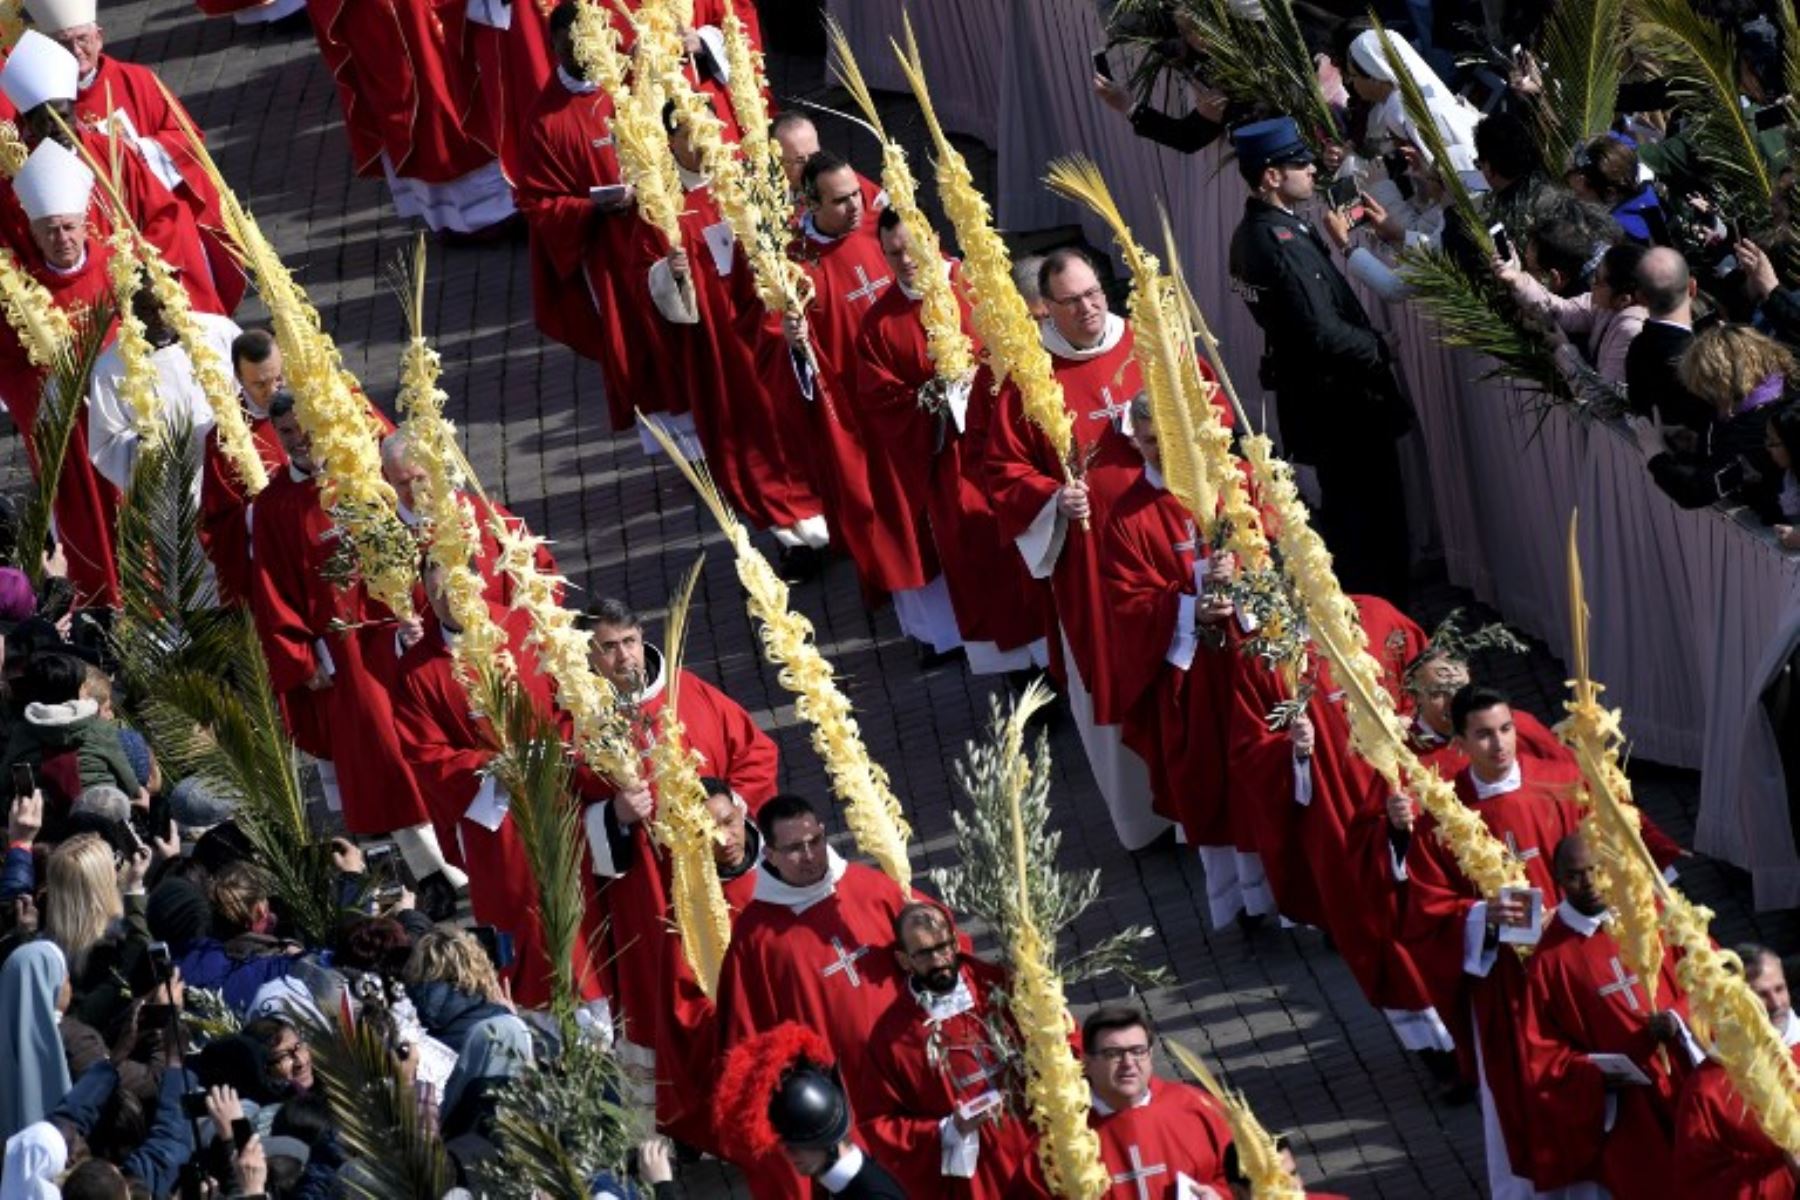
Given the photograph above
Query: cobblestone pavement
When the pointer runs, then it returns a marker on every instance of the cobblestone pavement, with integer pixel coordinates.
(1278, 1012)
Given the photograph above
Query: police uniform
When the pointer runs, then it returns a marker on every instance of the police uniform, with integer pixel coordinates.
(1340, 408)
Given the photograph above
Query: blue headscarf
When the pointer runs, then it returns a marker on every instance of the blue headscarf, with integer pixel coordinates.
(30, 1044)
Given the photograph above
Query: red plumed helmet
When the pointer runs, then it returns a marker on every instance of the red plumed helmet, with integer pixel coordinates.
(758, 1073)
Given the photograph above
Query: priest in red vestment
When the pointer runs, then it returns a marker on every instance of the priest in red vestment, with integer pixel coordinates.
(336, 708)
(411, 95)
(582, 221)
(41, 76)
(1057, 522)
(1720, 1149)
(1592, 1124)
(131, 98)
(941, 1121)
(510, 40)
(711, 374)
(224, 509)
(918, 429)
(448, 746)
(865, 502)
(811, 947)
(1159, 1139)
(54, 189)
(798, 138)
(1454, 933)
(636, 897)
(1175, 668)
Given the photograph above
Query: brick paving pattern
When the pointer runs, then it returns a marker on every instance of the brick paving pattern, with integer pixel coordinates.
(1277, 1012)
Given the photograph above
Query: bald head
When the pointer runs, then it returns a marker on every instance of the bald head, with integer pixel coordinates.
(398, 467)
(1664, 285)
(798, 138)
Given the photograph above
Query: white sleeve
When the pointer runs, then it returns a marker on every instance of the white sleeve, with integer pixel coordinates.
(1478, 958)
(1303, 785)
(1377, 276)
(1185, 643)
(676, 303)
(112, 434)
(961, 1151)
(803, 373)
(599, 845)
(1042, 541)
(323, 653)
(495, 14)
(957, 397)
(1397, 861)
(714, 41)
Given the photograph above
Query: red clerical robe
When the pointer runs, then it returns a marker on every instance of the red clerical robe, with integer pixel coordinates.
(86, 506)
(135, 91)
(1024, 476)
(1174, 686)
(1530, 814)
(940, 473)
(448, 745)
(764, 477)
(351, 722)
(1581, 1000)
(406, 79)
(644, 948)
(1179, 1130)
(926, 1060)
(1720, 1150)
(581, 292)
(225, 512)
(865, 503)
(510, 40)
(821, 956)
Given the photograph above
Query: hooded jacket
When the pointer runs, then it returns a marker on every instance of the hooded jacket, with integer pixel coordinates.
(50, 730)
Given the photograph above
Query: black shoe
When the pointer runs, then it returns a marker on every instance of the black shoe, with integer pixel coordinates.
(1160, 844)
(930, 659)
(799, 563)
(436, 897)
(1250, 924)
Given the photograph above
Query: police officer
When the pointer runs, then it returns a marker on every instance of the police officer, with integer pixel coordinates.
(1340, 408)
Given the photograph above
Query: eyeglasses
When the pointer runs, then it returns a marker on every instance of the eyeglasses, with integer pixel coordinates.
(932, 953)
(292, 1054)
(1092, 296)
(1118, 1054)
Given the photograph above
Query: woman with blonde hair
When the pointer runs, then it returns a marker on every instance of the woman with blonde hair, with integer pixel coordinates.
(94, 910)
(460, 1002)
(1746, 377)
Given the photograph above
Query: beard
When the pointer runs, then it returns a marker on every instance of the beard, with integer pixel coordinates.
(939, 981)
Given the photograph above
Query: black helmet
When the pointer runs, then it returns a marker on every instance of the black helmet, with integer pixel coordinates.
(809, 1110)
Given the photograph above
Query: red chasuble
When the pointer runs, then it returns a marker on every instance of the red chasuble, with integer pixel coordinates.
(580, 295)
(407, 83)
(1530, 819)
(224, 511)
(865, 503)
(923, 1067)
(135, 91)
(1720, 1150)
(1179, 1131)
(448, 746)
(821, 956)
(1024, 474)
(763, 476)
(514, 65)
(940, 473)
(644, 945)
(1581, 1000)
(351, 722)
(1176, 717)
(86, 506)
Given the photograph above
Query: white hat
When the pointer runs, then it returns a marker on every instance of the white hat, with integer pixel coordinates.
(54, 16)
(39, 70)
(54, 182)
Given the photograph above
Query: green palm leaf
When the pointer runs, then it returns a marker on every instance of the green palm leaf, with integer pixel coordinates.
(1583, 54)
(394, 1148)
(1698, 60)
(1476, 316)
(64, 401)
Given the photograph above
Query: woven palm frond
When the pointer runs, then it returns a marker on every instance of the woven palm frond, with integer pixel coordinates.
(1258, 1154)
(61, 410)
(1583, 58)
(1700, 65)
